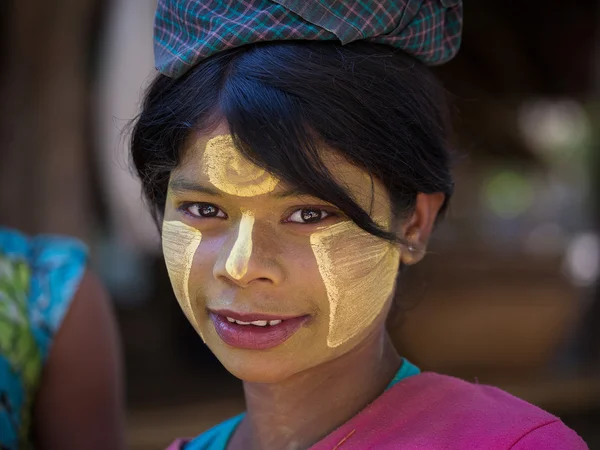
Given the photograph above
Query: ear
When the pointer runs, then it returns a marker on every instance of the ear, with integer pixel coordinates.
(418, 227)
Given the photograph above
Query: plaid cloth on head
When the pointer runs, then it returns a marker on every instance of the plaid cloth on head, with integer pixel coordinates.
(188, 31)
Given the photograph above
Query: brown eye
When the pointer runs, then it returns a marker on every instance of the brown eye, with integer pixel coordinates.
(205, 210)
(308, 215)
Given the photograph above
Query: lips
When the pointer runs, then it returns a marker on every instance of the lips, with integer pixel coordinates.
(255, 331)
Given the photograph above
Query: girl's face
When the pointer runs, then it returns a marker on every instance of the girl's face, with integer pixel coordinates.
(275, 281)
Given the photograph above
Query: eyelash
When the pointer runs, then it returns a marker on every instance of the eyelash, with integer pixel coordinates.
(220, 214)
(186, 210)
(300, 211)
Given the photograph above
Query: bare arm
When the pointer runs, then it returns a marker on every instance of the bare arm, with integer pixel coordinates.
(79, 404)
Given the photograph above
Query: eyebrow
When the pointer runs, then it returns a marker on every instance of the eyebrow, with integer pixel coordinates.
(293, 192)
(185, 185)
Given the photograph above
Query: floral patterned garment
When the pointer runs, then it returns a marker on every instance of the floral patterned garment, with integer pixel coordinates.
(38, 279)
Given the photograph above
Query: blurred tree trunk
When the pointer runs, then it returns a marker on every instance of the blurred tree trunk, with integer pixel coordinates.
(44, 171)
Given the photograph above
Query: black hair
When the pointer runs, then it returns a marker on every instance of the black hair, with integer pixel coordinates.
(380, 108)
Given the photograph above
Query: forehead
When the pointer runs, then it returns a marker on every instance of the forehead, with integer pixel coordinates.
(205, 152)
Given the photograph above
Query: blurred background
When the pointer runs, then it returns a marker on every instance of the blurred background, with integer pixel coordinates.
(509, 293)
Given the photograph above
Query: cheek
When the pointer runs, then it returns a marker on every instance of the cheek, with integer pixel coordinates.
(180, 243)
(359, 272)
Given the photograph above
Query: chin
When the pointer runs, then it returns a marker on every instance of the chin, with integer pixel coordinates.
(255, 366)
(268, 366)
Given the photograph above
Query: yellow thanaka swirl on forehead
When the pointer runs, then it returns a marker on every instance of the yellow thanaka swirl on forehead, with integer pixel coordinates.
(359, 272)
(228, 170)
(179, 243)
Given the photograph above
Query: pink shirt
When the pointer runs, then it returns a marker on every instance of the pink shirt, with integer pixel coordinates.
(438, 412)
(434, 412)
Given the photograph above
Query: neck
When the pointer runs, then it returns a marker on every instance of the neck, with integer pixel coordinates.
(300, 411)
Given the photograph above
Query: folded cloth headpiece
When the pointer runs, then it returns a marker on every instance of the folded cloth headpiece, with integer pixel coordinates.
(189, 31)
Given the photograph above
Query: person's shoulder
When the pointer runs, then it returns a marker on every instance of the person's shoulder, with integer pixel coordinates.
(466, 398)
(43, 250)
(216, 438)
(467, 413)
(46, 271)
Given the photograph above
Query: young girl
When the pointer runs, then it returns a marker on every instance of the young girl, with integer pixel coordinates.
(295, 154)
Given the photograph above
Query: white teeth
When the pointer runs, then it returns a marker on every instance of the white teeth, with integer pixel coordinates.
(258, 323)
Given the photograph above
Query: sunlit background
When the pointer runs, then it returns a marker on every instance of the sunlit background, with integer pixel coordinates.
(509, 292)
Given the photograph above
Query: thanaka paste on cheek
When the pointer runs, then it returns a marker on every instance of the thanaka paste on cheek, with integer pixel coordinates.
(359, 272)
(228, 170)
(180, 242)
(239, 257)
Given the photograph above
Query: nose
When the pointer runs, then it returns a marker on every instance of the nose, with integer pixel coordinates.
(248, 260)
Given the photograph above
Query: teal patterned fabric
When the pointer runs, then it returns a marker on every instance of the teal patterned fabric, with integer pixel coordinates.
(38, 279)
(188, 31)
